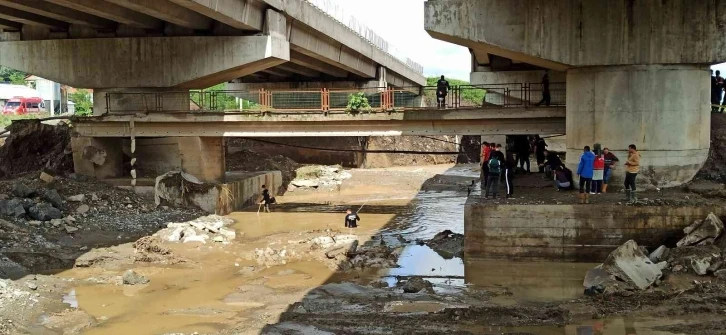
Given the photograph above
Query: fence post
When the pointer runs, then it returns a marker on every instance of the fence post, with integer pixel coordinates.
(324, 100)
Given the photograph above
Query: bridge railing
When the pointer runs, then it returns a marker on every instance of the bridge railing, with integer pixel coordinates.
(326, 100)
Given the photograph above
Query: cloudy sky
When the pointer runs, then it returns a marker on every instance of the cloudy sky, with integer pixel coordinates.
(401, 22)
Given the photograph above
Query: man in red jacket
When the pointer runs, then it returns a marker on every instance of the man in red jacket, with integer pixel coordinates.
(485, 153)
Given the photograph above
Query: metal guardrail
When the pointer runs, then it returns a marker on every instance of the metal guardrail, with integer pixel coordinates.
(326, 100)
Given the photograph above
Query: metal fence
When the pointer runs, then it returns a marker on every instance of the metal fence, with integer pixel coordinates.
(374, 99)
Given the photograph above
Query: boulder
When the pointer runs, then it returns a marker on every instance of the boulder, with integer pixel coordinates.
(657, 254)
(20, 190)
(11, 206)
(77, 198)
(700, 265)
(597, 277)
(45, 212)
(630, 265)
(54, 198)
(132, 278)
(417, 284)
(720, 274)
(710, 227)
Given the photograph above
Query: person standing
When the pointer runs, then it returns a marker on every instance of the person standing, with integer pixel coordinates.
(509, 166)
(485, 152)
(715, 93)
(267, 200)
(539, 151)
(351, 219)
(494, 173)
(546, 98)
(598, 173)
(719, 90)
(523, 147)
(585, 172)
(442, 89)
(610, 160)
(632, 167)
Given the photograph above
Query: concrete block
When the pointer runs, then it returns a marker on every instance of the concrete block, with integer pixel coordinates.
(629, 264)
(710, 228)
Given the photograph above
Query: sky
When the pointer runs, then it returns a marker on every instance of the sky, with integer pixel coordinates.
(401, 23)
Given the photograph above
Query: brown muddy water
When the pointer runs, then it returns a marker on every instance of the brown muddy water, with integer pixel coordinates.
(213, 293)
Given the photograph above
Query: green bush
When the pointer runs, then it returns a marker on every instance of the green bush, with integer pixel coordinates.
(357, 103)
(82, 99)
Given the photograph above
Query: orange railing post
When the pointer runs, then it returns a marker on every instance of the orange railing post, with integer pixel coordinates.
(324, 100)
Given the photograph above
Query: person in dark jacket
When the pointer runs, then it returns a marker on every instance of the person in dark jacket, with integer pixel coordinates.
(585, 172)
(552, 163)
(442, 89)
(522, 147)
(546, 98)
(494, 168)
(561, 180)
(267, 200)
(351, 219)
(539, 150)
(610, 161)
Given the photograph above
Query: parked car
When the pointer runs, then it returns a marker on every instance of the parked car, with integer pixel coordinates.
(21, 105)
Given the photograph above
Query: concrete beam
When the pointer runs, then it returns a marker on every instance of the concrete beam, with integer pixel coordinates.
(32, 19)
(314, 64)
(313, 44)
(330, 128)
(53, 11)
(561, 34)
(305, 14)
(240, 14)
(301, 70)
(276, 71)
(10, 25)
(168, 11)
(112, 12)
(146, 62)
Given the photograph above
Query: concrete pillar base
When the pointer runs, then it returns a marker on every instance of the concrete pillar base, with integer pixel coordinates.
(662, 109)
(203, 157)
(97, 157)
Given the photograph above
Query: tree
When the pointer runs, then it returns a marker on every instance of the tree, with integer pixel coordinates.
(82, 99)
(12, 76)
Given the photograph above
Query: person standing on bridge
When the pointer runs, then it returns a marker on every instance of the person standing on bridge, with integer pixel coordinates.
(546, 98)
(442, 89)
(632, 169)
(585, 172)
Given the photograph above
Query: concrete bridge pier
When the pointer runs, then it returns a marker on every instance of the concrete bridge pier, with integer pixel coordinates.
(662, 109)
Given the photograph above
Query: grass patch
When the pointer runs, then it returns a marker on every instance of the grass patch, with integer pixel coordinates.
(5, 120)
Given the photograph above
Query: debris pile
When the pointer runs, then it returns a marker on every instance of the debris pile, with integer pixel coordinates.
(37, 206)
(319, 176)
(628, 268)
(247, 160)
(199, 230)
(33, 146)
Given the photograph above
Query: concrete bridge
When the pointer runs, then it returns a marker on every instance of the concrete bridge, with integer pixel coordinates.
(162, 45)
(636, 71)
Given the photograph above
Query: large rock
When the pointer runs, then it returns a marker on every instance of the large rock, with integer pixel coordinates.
(709, 229)
(45, 212)
(12, 207)
(630, 265)
(657, 254)
(417, 284)
(20, 190)
(54, 198)
(132, 278)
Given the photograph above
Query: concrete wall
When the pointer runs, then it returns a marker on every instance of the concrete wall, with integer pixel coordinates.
(189, 62)
(570, 232)
(558, 34)
(663, 110)
(245, 189)
(97, 157)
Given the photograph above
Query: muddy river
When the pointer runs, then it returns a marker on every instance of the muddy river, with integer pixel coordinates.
(221, 289)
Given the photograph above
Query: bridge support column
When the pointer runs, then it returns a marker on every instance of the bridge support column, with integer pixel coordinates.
(662, 109)
(97, 157)
(203, 157)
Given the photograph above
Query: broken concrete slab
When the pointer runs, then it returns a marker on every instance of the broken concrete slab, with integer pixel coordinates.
(700, 265)
(70, 229)
(77, 198)
(630, 265)
(83, 209)
(46, 177)
(94, 155)
(596, 277)
(657, 254)
(710, 227)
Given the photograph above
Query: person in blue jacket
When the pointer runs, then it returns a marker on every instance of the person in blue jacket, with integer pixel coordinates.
(585, 172)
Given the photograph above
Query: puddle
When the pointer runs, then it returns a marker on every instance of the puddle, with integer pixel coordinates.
(71, 299)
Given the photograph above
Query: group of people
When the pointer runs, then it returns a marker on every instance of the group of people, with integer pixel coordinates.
(717, 89)
(595, 170)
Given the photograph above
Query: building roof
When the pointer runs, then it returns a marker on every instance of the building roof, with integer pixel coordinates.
(8, 91)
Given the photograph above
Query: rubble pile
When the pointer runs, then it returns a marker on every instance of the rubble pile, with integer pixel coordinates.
(199, 230)
(33, 146)
(447, 244)
(37, 206)
(318, 176)
(630, 268)
(247, 160)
